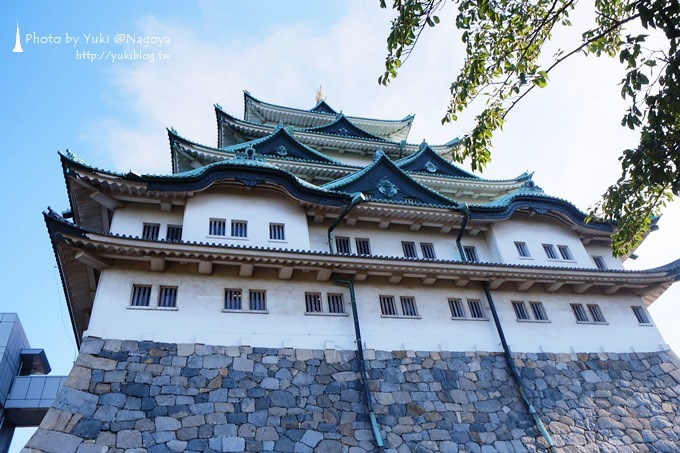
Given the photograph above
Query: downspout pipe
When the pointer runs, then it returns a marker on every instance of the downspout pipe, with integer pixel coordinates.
(356, 199)
(463, 207)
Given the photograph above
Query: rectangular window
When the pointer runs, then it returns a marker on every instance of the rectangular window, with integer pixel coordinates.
(550, 252)
(456, 307)
(258, 300)
(141, 295)
(277, 232)
(342, 245)
(239, 229)
(579, 312)
(520, 311)
(409, 249)
(596, 313)
(470, 254)
(167, 296)
(641, 315)
(218, 227)
(538, 311)
(522, 249)
(232, 298)
(336, 303)
(565, 252)
(428, 250)
(408, 306)
(387, 307)
(599, 263)
(363, 246)
(150, 231)
(475, 307)
(313, 302)
(173, 233)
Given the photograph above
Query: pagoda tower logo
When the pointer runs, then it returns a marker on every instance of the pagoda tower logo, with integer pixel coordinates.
(17, 41)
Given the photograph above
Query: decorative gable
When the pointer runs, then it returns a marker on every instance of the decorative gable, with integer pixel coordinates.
(323, 107)
(344, 127)
(426, 160)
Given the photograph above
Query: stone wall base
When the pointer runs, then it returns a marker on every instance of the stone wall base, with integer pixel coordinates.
(131, 396)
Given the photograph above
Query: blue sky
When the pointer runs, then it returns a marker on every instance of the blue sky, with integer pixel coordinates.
(114, 114)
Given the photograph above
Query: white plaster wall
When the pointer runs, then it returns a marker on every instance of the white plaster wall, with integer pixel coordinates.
(534, 233)
(199, 317)
(606, 253)
(129, 220)
(258, 209)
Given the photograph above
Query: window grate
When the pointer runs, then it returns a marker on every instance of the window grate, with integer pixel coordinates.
(173, 233)
(470, 254)
(239, 229)
(522, 249)
(218, 227)
(313, 302)
(641, 315)
(336, 303)
(456, 307)
(596, 313)
(600, 263)
(141, 295)
(538, 311)
(387, 306)
(167, 296)
(277, 232)
(428, 250)
(550, 252)
(232, 298)
(257, 299)
(342, 245)
(565, 252)
(409, 249)
(475, 307)
(408, 306)
(150, 231)
(363, 246)
(520, 311)
(579, 312)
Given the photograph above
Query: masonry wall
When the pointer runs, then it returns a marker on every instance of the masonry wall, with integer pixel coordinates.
(134, 396)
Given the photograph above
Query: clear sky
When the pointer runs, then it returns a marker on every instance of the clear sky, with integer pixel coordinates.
(110, 103)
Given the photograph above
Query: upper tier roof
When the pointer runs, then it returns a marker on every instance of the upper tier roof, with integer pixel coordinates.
(260, 112)
(427, 161)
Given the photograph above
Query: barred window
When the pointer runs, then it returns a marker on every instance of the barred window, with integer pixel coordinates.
(150, 231)
(476, 311)
(408, 306)
(522, 249)
(596, 313)
(538, 311)
(277, 232)
(550, 251)
(232, 298)
(387, 306)
(565, 252)
(520, 311)
(363, 246)
(409, 249)
(342, 245)
(579, 312)
(257, 299)
(336, 303)
(641, 315)
(428, 250)
(470, 254)
(456, 307)
(239, 229)
(174, 233)
(313, 302)
(600, 263)
(167, 296)
(218, 227)
(141, 295)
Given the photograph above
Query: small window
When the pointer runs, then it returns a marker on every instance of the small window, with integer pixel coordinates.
(232, 298)
(600, 263)
(641, 315)
(476, 311)
(408, 306)
(538, 311)
(456, 307)
(579, 312)
(141, 295)
(409, 249)
(239, 229)
(342, 245)
(150, 231)
(470, 254)
(167, 296)
(565, 252)
(218, 227)
(387, 307)
(174, 233)
(522, 249)
(313, 302)
(550, 252)
(257, 299)
(363, 246)
(596, 313)
(336, 303)
(520, 311)
(428, 250)
(277, 232)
